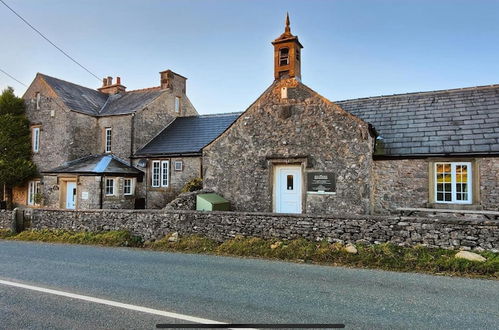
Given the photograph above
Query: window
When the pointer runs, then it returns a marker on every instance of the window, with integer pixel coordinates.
(109, 187)
(177, 104)
(453, 183)
(155, 173)
(178, 165)
(164, 173)
(38, 98)
(298, 55)
(128, 186)
(108, 134)
(159, 175)
(35, 137)
(33, 191)
(284, 56)
(289, 182)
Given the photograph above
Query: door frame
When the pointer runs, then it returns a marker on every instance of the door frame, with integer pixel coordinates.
(63, 191)
(275, 170)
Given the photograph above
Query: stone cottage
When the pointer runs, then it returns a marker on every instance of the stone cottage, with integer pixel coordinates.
(294, 151)
(83, 139)
(178, 147)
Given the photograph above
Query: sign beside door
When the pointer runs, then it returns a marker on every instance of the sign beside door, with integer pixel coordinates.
(288, 189)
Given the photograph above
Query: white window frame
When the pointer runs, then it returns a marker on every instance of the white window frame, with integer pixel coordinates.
(108, 135)
(38, 99)
(35, 139)
(113, 193)
(132, 186)
(165, 169)
(155, 177)
(177, 104)
(33, 189)
(469, 182)
(178, 165)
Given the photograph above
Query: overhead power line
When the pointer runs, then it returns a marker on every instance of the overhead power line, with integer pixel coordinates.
(44, 37)
(5, 73)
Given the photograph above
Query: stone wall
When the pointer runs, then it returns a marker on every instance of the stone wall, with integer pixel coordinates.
(154, 224)
(5, 219)
(406, 183)
(158, 197)
(303, 129)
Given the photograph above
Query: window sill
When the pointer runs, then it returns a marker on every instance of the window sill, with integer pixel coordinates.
(450, 206)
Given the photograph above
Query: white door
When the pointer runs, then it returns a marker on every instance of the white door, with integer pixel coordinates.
(288, 186)
(71, 195)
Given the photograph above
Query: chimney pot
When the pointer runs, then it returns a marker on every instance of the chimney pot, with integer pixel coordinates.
(104, 82)
(109, 80)
(118, 80)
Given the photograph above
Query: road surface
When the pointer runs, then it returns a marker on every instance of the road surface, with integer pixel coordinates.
(83, 287)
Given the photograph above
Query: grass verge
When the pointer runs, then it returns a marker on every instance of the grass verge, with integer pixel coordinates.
(108, 238)
(382, 256)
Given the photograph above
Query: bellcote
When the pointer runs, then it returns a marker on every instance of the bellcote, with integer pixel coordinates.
(287, 57)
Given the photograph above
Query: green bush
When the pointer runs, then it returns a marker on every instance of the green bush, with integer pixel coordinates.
(193, 185)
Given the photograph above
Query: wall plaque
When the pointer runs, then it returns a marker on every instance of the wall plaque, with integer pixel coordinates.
(321, 182)
(84, 195)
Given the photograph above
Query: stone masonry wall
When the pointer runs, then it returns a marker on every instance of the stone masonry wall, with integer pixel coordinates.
(151, 225)
(304, 129)
(406, 183)
(159, 197)
(399, 183)
(5, 219)
(489, 183)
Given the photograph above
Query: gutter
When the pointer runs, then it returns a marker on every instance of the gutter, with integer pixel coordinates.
(422, 156)
(101, 197)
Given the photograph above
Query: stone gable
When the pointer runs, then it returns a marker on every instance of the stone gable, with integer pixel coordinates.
(305, 129)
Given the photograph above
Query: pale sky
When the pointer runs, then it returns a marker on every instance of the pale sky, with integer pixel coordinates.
(351, 48)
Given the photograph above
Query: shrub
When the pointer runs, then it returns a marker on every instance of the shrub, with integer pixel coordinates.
(193, 185)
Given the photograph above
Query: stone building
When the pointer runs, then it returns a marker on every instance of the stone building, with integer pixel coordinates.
(179, 147)
(83, 139)
(294, 151)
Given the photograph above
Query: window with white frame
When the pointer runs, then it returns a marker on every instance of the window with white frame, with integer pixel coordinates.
(155, 173)
(159, 173)
(164, 173)
(178, 165)
(177, 104)
(35, 136)
(109, 187)
(108, 135)
(33, 191)
(128, 186)
(38, 99)
(453, 183)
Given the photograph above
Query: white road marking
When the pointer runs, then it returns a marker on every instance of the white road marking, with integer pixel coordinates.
(113, 303)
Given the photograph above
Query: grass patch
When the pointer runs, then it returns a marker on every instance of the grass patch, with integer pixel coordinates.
(108, 238)
(382, 256)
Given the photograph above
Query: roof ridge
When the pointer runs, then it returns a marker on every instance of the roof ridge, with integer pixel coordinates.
(217, 114)
(438, 91)
(69, 82)
(144, 89)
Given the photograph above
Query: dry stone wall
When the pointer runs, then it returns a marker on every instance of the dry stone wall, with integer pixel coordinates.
(5, 219)
(150, 225)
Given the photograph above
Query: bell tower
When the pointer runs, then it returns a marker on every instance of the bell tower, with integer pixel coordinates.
(287, 55)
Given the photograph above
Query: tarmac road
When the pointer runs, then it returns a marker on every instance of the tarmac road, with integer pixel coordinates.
(223, 289)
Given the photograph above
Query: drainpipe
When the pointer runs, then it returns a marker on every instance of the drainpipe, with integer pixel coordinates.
(132, 139)
(101, 201)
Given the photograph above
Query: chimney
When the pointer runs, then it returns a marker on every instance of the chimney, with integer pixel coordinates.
(109, 88)
(173, 81)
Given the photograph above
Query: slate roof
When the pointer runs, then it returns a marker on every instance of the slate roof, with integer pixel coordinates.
(97, 164)
(188, 135)
(446, 122)
(92, 102)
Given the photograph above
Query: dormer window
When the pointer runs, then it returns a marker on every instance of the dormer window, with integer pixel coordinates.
(38, 98)
(284, 56)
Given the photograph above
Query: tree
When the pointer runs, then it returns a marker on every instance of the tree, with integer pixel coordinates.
(16, 166)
